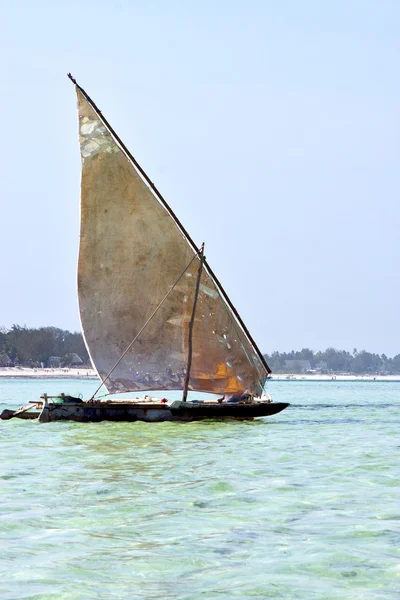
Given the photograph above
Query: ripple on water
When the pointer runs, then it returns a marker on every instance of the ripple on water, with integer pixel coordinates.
(302, 505)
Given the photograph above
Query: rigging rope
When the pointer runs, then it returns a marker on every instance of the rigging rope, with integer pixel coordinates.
(147, 322)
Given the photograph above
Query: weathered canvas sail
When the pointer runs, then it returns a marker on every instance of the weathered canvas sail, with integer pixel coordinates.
(132, 252)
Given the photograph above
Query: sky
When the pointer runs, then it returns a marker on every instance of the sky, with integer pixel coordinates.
(271, 129)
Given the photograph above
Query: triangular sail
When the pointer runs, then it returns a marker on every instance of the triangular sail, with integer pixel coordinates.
(132, 251)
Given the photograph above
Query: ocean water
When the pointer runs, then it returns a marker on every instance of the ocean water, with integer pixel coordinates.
(302, 505)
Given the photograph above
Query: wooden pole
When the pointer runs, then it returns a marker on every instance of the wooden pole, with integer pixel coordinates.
(144, 326)
(191, 324)
(44, 416)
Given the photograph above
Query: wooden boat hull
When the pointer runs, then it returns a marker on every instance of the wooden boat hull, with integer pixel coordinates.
(225, 410)
(9, 414)
(85, 412)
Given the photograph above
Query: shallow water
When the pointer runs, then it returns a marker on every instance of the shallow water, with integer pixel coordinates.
(304, 504)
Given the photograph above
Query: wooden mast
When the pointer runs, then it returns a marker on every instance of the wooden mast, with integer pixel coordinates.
(145, 325)
(191, 324)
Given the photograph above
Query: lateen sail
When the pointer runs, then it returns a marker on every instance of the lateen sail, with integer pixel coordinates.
(131, 253)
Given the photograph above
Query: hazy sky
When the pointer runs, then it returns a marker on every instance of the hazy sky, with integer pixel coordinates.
(271, 128)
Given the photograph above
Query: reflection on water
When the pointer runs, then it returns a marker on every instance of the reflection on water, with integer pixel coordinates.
(300, 505)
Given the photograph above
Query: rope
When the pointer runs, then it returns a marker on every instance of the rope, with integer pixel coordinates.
(145, 325)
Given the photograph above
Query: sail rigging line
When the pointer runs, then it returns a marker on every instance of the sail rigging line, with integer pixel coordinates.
(238, 317)
(191, 324)
(145, 325)
(174, 217)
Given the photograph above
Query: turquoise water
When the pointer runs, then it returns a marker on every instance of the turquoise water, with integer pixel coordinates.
(304, 504)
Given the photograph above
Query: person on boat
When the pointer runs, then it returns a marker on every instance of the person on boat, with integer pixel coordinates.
(242, 398)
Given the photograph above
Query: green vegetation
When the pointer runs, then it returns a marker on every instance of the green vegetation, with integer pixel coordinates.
(33, 347)
(333, 361)
(57, 347)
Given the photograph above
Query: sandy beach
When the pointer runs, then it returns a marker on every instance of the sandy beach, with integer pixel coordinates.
(82, 373)
(27, 373)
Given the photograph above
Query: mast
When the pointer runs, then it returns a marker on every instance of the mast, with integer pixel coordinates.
(191, 324)
(148, 321)
(175, 218)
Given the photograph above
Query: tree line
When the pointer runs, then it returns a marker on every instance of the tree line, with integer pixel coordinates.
(34, 347)
(332, 361)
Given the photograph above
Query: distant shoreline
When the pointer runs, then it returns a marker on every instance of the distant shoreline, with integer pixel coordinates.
(300, 377)
(79, 373)
(28, 373)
